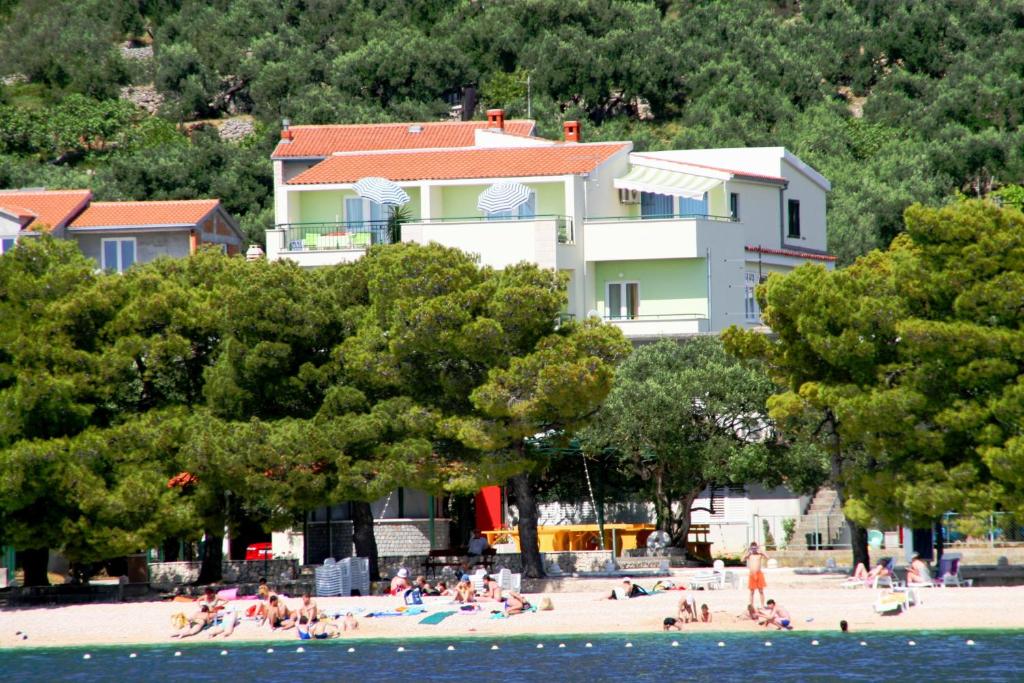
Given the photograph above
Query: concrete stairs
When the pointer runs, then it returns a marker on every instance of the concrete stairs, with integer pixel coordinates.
(822, 524)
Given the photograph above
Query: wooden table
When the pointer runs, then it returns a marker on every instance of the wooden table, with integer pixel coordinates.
(571, 537)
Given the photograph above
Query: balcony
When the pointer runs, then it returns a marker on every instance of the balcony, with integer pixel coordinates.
(324, 244)
(499, 242)
(642, 327)
(634, 239)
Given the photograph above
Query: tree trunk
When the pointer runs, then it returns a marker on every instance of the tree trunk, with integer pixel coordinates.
(529, 549)
(363, 536)
(859, 543)
(34, 561)
(681, 522)
(939, 544)
(212, 569)
(662, 504)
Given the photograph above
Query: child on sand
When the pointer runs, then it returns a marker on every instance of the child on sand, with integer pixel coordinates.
(754, 559)
(777, 616)
(705, 614)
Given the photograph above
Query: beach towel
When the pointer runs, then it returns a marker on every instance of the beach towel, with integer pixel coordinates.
(228, 594)
(436, 617)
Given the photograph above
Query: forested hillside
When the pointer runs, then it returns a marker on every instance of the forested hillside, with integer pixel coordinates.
(894, 101)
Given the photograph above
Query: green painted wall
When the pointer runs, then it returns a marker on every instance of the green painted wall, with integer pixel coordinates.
(326, 206)
(667, 286)
(322, 206)
(459, 201)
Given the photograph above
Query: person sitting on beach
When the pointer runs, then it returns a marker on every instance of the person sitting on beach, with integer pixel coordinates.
(443, 590)
(350, 623)
(196, 623)
(918, 571)
(754, 559)
(492, 591)
(515, 604)
(211, 600)
(308, 608)
(671, 624)
(777, 616)
(705, 614)
(628, 590)
(224, 623)
(464, 592)
(751, 614)
(425, 588)
(318, 630)
(278, 614)
(400, 582)
(687, 608)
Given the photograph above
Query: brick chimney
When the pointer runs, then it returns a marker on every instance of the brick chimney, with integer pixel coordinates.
(286, 133)
(572, 131)
(496, 118)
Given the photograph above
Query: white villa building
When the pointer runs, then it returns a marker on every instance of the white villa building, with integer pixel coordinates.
(661, 244)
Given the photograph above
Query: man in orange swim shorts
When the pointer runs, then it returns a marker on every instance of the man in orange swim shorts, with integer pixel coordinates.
(754, 559)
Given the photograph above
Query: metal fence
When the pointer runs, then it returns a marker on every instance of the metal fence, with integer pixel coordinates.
(991, 529)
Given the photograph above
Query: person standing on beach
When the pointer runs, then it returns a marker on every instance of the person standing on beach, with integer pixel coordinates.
(754, 559)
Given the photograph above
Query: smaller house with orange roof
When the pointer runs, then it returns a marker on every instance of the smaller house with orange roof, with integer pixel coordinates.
(117, 235)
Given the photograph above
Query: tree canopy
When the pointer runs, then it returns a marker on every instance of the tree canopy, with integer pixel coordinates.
(895, 103)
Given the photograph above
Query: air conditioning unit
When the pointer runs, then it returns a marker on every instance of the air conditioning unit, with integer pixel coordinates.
(629, 196)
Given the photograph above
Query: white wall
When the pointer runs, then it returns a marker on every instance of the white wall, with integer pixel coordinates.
(723, 244)
(812, 210)
(9, 226)
(759, 213)
(498, 243)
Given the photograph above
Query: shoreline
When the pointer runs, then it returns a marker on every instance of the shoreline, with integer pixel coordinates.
(816, 608)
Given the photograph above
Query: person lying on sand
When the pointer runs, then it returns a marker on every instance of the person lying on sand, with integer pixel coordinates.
(628, 590)
(319, 630)
(224, 623)
(350, 623)
(515, 604)
(777, 616)
(196, 623)
(671, 624)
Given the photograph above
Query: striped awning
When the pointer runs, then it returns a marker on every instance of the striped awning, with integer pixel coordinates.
(381, 190)
(660, 181)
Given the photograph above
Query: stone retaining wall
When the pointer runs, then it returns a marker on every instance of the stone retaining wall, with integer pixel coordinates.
(569, 562)
(167, 575)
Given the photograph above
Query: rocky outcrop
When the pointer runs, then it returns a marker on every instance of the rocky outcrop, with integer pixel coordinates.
(144, 96)
(236, 129)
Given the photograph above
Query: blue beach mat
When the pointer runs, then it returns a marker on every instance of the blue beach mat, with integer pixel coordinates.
(436, 618)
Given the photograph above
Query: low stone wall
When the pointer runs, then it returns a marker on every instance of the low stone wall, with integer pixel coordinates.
(569, 562)
(167, 575)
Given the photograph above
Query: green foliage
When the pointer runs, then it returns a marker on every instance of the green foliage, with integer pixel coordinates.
(908, 363)
(683, 416)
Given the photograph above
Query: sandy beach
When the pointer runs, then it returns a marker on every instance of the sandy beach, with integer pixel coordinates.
(816, 603)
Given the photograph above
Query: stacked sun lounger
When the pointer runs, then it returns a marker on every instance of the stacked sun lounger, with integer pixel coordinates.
(331, 580)
(359, 575)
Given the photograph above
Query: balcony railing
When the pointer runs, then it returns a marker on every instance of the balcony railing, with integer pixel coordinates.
(658, 316)
(334, 235)
(564, 224)
(660, 217)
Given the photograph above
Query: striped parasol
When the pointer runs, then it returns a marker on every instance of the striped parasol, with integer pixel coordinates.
(503, 197)
(381, 190)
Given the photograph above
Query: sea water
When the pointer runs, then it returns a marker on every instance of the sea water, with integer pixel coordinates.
(673, 656)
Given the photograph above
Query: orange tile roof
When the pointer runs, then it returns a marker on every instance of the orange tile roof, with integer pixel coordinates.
(322, 141)
(791, 252)
(176, 212)
(452, 164)
(44, 209)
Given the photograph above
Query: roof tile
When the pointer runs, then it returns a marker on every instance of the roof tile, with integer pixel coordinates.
(322, 141)
(489, 162)
(110, 214)
(44, 210)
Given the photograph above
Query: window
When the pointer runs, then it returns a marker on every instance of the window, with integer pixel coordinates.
(656, 205)
(734, 205)
(7, 243)
(359, 210)
(751, 310)
(118, 255)
(794, 217)
(623, 300)
(693, 207)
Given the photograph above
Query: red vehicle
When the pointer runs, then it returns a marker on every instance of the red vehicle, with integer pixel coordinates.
(259, 551)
